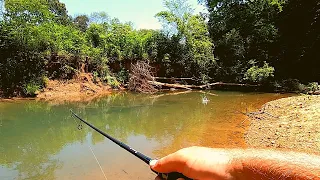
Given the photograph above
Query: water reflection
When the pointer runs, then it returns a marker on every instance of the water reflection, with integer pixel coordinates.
(41, 141)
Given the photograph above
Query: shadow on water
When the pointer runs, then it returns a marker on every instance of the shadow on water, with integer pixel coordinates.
(41, 141)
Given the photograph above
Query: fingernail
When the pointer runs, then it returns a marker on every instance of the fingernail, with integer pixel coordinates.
(153, 162)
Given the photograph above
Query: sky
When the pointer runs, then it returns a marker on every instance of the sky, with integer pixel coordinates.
(140, 12)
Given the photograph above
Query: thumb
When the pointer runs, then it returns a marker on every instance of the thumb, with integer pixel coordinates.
(152, 163)
(168, 164)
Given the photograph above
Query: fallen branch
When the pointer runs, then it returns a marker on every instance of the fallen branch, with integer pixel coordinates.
(189, 87)
(156, 83)
(174, 78)
(226, 84)
(139, 79)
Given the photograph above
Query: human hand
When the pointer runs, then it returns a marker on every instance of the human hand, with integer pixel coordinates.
(197, 163)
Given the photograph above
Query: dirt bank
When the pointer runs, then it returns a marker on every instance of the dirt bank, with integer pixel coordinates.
(81, 88)
(290, 123)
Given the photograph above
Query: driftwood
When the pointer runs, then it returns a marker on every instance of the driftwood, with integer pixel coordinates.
(180, 86)
(142, 79)
(226, 84)
(190, 87)
(139, 79)
(172, 78)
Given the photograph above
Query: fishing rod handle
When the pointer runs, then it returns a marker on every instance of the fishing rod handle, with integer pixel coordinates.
(173, 176)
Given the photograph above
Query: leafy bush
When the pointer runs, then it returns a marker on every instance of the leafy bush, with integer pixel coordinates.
(31, 89)
(292, 85)
(95, 75)
(259, 74)
(123, 76)
(113, 82)
(314, 86)
(45, 81)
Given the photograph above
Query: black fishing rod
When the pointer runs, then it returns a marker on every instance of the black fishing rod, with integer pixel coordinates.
(144, 158)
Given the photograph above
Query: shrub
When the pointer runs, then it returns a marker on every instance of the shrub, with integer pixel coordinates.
(31, 89)
(95, 75)
(259, 74)
(314, 86)
(45, 81)
(292, 85)
(113, 82)
(123, 76)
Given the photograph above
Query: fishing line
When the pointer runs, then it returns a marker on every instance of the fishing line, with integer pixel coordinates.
(98, 162)
(80, 127)
(144, 158)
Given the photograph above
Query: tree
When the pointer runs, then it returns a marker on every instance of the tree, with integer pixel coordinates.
(243, 31)
(297, 50)
(99, 18)
(23, 12)
(81, 22)
(190, 32)
(60, 12)
(1, 9)
(32, 36)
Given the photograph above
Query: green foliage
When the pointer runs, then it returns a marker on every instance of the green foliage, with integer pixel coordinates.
(31, 89)
(259, 74)
(95, 76)
(81, 22)
(299, 43)
(60, 12)
(23, 12)
(188, 37)
(313, 86)
(19, 63)
(113, 82)
(241, 30)
(58, 38)
(280, 32)
(45, 81)
(123, 76)
(99, 18)
(39, 39)
(32, 34)
(291, 85)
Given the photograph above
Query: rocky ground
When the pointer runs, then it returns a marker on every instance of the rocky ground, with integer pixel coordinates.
(290, 123)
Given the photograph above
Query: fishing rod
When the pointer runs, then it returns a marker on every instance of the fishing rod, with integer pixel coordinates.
(144, 158)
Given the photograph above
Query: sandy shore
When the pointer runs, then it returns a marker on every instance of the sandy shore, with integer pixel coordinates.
(290, 123)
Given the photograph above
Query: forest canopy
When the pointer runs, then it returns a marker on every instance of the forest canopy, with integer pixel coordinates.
(257, 42)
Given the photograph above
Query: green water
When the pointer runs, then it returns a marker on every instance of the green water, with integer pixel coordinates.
(40, 140)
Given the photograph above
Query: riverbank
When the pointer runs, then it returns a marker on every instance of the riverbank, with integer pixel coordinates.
(81, 88)
(288, 123)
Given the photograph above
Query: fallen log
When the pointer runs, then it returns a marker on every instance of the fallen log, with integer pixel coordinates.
(226, 84)
(156, 83)
(190, 87)
(173, 78)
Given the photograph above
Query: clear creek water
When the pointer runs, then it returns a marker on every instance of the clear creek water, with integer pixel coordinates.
(40, 140)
